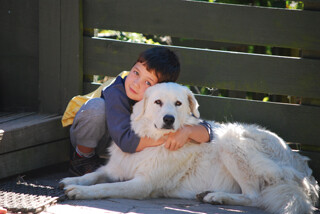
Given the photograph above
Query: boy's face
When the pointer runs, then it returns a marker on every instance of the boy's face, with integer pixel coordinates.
(138, 80)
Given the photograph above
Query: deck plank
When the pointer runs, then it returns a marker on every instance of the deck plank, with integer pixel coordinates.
(17, 162)
(31, 140)
(9, 116)
(31, 130)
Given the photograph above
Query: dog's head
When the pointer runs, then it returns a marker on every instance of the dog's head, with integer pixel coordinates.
(165, 108)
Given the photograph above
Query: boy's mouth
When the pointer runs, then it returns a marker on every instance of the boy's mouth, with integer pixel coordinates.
(133, 91)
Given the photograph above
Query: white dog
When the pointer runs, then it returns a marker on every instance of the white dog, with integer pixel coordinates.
(243, 165)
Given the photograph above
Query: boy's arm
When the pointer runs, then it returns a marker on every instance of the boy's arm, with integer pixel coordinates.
(118, 113)
(148, 142)
(201, 133)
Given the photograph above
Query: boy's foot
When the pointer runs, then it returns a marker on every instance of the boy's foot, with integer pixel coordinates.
(81, 165)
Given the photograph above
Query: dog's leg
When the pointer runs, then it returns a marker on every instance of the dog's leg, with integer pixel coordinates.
(225, 198)
(236, 161)
(136, 188)
(99, 176)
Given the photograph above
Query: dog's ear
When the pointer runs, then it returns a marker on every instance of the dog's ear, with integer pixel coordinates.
(193, 103)
(139, 108)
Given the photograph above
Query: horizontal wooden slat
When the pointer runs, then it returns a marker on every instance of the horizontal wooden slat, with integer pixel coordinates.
(294, 123)
(220, 69)
(5, 117)
(30, 131)
(205, 21)
(33, 158)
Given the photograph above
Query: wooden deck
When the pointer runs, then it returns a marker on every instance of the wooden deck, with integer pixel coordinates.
(31, 140)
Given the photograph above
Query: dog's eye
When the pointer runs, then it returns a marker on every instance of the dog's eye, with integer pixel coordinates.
(178, 103)
(158, 102)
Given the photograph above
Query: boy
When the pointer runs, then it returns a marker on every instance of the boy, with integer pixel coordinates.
(108, 117)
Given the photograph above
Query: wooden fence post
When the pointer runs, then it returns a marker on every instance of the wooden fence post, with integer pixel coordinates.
(49, 56)
(60, 53)
(315, 6)
(71, 50)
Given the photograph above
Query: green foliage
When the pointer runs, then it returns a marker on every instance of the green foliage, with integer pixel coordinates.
(294, 5)
(126, 36)
(262, 3)
(265, 99)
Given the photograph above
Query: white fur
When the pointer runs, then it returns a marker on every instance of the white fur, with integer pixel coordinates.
(244, 164)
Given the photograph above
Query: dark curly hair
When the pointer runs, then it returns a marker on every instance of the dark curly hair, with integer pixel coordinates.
(163, 61)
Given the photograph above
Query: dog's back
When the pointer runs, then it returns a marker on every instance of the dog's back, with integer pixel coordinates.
(282, 176)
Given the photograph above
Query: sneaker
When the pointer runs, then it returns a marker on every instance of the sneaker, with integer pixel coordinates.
(81, 165)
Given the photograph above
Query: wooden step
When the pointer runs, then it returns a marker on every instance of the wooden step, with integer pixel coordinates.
(31, 140)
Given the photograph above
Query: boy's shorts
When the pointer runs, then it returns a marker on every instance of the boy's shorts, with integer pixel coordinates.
(89, 126)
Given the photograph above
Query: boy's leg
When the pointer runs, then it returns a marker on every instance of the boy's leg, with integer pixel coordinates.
(87, 130)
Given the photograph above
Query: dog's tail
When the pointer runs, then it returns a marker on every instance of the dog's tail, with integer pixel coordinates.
(290, 198)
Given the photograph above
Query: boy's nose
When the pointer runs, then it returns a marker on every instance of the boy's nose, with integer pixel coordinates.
(137, 82)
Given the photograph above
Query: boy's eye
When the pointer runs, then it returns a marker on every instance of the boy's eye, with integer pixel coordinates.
(136, 73)
(178, 103)
(158, 102)
(148, 83)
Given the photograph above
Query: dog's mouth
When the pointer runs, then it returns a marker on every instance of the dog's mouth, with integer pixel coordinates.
(164, 126)
(167, 126)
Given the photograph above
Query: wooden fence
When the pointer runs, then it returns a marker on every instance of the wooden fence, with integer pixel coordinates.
(236, 24)
(295, 76)
(66, 54)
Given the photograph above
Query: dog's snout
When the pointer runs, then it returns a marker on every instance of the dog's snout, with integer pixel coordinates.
(168, 120)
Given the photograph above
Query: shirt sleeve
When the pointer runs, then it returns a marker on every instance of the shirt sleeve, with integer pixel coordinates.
(118, 111)
(209, 129)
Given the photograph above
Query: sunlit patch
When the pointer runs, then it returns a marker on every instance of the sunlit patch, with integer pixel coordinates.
(183, 210)
(231, 210)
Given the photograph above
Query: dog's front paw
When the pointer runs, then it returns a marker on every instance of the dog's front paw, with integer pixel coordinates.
(76, 192)
(215, 198)
(200, 196)
(68, 181)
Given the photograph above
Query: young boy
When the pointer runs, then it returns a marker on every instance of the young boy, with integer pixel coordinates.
(102, 119)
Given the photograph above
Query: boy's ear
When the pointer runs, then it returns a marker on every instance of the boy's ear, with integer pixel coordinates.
(193, 104)
(139, 108)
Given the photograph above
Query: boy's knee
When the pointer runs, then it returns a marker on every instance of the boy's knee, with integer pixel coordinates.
(90, 115)
(93, 111)
(89, 124)
(95, 106)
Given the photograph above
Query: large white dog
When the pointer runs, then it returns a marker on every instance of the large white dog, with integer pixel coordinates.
(243, 165)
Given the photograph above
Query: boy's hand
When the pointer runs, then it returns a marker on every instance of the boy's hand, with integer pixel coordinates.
(177, 139)
(174, 141)
(195, 133)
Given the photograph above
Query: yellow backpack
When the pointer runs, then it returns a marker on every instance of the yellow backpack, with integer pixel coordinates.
(77, 101)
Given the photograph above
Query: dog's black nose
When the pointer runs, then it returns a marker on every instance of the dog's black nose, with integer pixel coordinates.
(168, 120)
